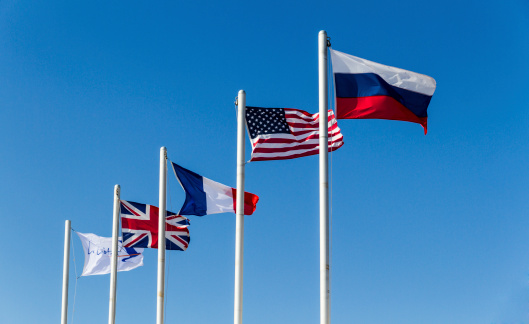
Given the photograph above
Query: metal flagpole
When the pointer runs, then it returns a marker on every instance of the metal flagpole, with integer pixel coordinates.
(325, 316)
(239, 214)
(161, 235)
(114, 260)
(65, 272)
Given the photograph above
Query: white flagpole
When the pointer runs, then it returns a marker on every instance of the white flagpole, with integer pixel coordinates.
(114, 260)
(239, 227)
(325, 316)
(161, 236)
(65, 272)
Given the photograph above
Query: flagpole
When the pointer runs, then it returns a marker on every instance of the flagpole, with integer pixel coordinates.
(65, 272)
(114, 260)
(239, 214)
(161, 236)
(325, 316)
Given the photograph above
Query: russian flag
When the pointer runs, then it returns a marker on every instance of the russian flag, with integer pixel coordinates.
(205, 196)
(369, 90)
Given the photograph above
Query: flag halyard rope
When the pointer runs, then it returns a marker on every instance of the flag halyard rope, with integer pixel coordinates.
(331, 104)
(76, 277)
(168, 256)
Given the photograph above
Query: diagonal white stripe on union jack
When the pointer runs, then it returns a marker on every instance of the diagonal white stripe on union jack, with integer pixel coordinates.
(139, 224)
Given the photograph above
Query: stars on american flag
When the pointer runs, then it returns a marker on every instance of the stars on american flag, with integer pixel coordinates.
(262, 121)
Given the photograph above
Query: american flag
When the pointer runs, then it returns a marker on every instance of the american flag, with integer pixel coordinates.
(286, 133)
(139, 224)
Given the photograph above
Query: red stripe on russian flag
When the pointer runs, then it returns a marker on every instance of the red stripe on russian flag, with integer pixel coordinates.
(376, 107)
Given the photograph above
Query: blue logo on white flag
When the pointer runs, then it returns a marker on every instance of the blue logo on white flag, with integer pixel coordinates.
(98, 251)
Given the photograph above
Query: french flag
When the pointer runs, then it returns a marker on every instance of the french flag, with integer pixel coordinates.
(205, 196)
(369, 90)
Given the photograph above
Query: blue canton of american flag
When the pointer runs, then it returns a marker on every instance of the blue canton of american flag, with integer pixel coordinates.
(286, 133)
(139, 224)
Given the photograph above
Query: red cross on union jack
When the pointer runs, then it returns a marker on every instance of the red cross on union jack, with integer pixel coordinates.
(139, 224)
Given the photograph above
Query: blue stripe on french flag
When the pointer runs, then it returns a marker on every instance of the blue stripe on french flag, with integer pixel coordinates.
(205, 196)
(193, 184)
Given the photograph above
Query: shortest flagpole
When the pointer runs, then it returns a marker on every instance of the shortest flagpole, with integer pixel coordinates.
(65, 272)
(161, 236)
(114, 260)
(239, 209)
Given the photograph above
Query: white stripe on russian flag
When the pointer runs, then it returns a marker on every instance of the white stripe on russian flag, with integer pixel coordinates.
(345, 63)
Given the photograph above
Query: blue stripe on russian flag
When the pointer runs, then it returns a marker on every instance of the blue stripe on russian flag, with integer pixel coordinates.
(357, 85)
(193, 184)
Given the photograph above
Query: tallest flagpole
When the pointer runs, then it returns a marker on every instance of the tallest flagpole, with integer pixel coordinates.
(325, 292)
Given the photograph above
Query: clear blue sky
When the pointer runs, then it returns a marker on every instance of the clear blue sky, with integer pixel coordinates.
(425, 229)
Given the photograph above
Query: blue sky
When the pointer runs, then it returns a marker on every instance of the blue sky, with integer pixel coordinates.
(425, 229)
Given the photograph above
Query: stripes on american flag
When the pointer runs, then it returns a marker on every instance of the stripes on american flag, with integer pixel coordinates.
(286, 133)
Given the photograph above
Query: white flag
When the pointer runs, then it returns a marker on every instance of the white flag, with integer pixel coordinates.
(97, 253)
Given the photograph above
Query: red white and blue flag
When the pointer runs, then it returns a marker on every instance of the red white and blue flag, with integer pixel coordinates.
(139, 225)
(286, 133)
(205, 196)
(369, 90)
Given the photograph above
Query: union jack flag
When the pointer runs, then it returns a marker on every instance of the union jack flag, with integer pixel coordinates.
(139, 224)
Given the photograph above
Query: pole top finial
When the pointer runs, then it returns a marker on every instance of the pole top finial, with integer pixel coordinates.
(241, 94)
